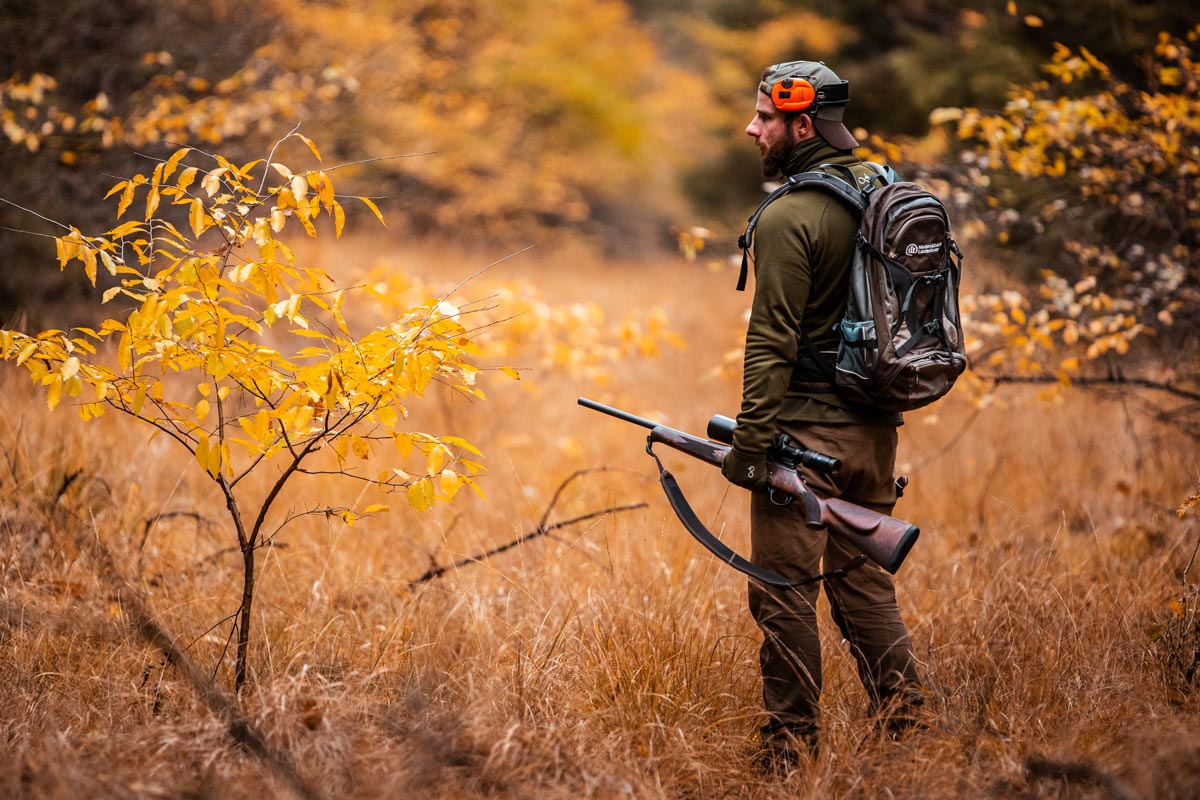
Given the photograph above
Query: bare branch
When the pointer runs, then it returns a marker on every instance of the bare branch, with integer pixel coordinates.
(437, 572)
(1114, 380)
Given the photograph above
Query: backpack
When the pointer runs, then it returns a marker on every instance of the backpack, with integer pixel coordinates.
(900, 341)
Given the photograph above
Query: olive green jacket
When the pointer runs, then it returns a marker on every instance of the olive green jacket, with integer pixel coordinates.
(802, 250)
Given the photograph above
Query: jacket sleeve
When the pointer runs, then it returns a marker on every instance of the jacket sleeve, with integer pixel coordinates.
(783, 255)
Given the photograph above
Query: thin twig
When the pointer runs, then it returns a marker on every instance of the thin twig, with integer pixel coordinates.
(1115, 380)
(36, 214)
(541, 530)
(482, 270)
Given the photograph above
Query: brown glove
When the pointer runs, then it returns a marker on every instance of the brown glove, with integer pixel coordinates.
(749, 472)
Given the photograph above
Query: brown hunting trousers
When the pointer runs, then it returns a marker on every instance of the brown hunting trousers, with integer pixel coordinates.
(863, 603)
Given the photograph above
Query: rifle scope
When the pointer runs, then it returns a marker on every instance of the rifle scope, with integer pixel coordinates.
(720, 429)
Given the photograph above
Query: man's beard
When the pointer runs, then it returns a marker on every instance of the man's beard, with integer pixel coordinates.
(774, 160)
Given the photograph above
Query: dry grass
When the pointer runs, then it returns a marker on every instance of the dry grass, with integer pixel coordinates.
(613, 658)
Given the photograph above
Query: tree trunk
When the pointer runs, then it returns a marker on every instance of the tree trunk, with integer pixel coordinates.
(243, 641)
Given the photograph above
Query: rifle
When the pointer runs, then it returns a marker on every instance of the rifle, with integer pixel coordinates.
(885, 540)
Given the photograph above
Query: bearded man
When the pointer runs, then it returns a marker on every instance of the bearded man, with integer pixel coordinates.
(802, 250)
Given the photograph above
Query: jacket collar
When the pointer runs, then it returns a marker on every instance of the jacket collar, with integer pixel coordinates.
(812, 152)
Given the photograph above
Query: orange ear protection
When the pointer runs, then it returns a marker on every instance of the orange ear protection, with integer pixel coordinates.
(792, 94)
(795, 93)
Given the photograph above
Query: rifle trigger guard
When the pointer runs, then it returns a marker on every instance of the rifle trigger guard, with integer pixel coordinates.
(773, 496)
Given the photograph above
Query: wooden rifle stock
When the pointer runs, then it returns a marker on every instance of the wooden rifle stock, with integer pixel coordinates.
(883, 539)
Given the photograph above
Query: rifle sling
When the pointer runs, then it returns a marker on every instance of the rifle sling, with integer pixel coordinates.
(704, 536)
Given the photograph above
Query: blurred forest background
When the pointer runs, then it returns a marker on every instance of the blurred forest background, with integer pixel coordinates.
(605, 122)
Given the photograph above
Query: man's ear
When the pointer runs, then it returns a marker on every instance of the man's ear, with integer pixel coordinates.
(802, 126)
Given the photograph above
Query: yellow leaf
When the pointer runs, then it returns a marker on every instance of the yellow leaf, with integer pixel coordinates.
(1033, 21)
(435, 459)
(110, 264)
(340, 446)
(126, 198)
(89, 264)
(212, 181)
(404, 442)
(309, 228)
(375, 509)
(311, 146)
(474, 487)
(139, 399)
(202, 408)
(282, 170)
(203, 452)
(124, 229)
(151, 202)
(420, 495)
(261, 232)
(339, 219)
(26, 352)
(70, 368)
(450, 483)
(186, 178)
(54, 393)
(124, 354)
(348, 517)
(374, 209)
(361, 447)
(325, 190)
(197, 218)
(173, 161)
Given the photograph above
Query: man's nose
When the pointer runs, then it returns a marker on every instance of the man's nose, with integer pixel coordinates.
(752, 128)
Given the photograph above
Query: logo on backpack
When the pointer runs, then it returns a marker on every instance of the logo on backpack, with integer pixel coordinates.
(900, 343)
(922, 249)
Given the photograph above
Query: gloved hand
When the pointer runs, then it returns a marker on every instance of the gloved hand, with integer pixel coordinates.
(749, 472)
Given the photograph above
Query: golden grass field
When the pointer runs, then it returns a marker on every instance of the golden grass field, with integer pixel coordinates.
(612, 657)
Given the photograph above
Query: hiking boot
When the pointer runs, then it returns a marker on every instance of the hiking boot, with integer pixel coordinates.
(784, 747)
(903, 716)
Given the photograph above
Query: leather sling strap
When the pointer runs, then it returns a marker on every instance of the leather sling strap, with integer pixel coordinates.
(724, 552)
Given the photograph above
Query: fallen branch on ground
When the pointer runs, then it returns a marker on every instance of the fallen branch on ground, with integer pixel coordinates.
(541, 530)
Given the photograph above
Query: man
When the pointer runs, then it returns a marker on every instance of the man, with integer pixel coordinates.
(802, 250)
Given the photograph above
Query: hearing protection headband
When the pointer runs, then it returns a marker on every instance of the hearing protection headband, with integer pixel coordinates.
(795, 93)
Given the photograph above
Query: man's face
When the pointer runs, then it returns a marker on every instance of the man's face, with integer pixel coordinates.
(773, 134)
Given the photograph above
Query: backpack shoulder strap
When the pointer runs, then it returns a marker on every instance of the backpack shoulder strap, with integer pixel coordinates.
(845, 190)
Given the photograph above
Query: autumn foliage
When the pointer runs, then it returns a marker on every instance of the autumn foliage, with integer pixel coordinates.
(1099, 178)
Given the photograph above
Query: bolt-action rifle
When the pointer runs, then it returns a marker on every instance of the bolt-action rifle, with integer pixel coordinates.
(883, 539)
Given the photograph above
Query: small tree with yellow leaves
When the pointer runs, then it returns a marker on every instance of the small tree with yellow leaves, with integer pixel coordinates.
(244, 357)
